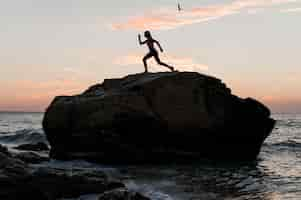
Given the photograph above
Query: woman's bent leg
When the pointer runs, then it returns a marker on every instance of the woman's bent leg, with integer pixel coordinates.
(147, 56)
(162, 63)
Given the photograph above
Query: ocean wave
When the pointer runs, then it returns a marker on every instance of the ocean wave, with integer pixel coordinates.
(25, 136)
(149, 190)
(288, 123)
(287, 144)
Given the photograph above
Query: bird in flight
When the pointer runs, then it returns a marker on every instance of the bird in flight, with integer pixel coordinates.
(179, 7)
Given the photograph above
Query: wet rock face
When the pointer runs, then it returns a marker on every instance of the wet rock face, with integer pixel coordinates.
(154, 117)
(18, 180)
(121, 194)
(3, 149)
(31, 157)
(59, 183)
(40, 146)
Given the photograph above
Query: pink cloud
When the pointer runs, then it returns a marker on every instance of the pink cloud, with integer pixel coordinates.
(171, 18)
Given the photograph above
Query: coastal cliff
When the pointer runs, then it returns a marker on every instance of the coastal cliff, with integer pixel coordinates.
(157, 117)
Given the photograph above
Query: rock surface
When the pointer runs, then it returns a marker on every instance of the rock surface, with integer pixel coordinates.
(157, 117)
(18, 181)
(40, 146)
(31, 157)
(121, 194)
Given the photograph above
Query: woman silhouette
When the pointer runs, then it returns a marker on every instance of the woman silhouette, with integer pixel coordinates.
(152, 50)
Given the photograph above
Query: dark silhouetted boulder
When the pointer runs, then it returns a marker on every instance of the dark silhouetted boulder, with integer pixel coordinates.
(157, 117)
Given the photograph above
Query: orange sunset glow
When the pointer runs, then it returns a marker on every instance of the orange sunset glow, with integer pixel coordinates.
(50, 50)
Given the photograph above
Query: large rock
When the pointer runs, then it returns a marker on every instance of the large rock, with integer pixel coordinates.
(155, 117)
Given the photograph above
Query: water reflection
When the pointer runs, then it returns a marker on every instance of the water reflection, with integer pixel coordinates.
(260, 180)
(213, 181)
(275, 175)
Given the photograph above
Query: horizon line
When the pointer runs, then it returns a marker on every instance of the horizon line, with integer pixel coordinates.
(39, 112)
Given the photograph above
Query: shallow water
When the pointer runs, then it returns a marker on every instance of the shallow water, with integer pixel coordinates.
(275, 175)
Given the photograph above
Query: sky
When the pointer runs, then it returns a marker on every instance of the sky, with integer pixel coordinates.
(61, 47)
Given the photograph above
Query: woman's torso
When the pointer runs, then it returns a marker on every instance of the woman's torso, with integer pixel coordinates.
(150, 44)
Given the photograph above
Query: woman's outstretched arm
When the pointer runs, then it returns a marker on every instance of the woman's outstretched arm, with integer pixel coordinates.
(140, 42)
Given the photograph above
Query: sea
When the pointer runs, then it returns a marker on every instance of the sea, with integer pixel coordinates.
(275, 175)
